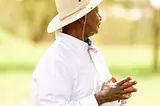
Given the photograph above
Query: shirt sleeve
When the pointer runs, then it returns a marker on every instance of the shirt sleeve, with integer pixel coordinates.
(52, 86)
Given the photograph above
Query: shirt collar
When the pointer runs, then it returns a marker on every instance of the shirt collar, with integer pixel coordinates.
(89, 42)
(71, 41)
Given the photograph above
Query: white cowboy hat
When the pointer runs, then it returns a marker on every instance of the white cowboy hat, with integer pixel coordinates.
(70, 11)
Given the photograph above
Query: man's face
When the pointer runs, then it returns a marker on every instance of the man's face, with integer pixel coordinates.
(93, 22)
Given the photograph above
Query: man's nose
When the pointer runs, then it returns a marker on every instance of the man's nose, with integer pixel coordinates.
(100, 18)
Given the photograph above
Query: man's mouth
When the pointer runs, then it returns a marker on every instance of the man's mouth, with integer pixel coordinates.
(99, 25)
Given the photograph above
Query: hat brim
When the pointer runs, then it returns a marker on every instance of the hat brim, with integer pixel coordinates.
(56, 23)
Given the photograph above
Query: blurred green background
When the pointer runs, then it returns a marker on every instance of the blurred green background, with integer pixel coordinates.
(128, 38)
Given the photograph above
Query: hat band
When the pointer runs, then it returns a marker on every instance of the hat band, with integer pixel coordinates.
(62, 18)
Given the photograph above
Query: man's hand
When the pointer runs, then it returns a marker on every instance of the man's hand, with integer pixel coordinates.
(115, 91)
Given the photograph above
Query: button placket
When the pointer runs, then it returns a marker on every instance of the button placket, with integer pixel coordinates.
(93, 50)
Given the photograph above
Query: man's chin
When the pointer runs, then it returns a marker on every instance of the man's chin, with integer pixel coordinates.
(93, 33)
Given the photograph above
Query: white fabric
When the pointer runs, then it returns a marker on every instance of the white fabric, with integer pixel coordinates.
(66, 75)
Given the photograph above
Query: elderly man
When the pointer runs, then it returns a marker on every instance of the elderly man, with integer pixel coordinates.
(72, 72)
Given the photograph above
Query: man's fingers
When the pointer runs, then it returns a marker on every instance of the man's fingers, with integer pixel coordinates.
(114, 79)
(124, 80)
(129, 84)
(124, 97)
(130, 90)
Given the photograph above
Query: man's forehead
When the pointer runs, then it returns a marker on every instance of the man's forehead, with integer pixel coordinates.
(97, 7)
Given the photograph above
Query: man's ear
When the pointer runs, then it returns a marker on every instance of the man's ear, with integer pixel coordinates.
(82, 20)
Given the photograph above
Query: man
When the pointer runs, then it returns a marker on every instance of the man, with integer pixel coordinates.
(72, 71)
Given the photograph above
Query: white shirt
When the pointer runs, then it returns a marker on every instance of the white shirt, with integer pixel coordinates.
(69, 75)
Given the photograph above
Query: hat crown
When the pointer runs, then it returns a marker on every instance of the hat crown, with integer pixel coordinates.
(66, 8)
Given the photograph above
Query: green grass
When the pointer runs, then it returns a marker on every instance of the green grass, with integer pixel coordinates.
(130, 60)
(15, 88)
(148, 92)
(17, 57)
(17, 54)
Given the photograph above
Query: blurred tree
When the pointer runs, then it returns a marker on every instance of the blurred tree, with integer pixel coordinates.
(27, 18)
(9, 19)
(155, 5)
(156, 39)
(156, 23)
(37, 14)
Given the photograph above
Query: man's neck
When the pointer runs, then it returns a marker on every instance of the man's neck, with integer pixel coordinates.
(75, 33)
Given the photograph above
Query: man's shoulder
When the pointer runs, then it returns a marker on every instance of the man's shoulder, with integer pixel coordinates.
(55, 57)
(57, 54)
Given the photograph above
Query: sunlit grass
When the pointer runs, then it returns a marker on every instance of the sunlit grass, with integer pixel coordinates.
(130, 60)
(19, 57)
(15, 88)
